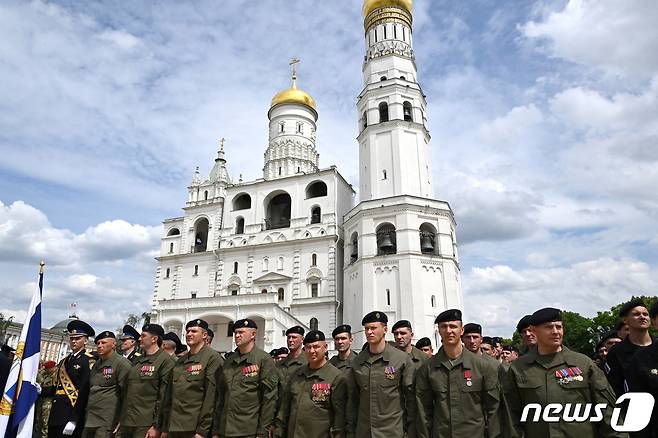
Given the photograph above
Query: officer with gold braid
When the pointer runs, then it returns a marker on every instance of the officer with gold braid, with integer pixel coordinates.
(71, 385)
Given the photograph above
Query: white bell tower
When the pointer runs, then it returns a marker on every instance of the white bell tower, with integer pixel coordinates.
(400, 243)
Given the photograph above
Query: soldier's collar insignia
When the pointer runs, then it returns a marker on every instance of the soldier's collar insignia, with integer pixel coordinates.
(246, 323)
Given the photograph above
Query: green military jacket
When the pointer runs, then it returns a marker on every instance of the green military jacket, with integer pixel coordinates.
(313, 404)
(458, 398)
(288, 366)
(417, 357)
(381, 400)
(148, 380)
(535, 378)
(247, 397)
(107, 385)
(341, 364)
(192, 392)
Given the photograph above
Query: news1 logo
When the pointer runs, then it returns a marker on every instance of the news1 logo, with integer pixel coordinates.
(638, 413)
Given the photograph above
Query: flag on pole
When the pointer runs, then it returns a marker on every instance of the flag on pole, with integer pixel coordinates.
(20, 393)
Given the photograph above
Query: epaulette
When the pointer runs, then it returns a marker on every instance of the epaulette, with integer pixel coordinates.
(138, 354)
(89, 355)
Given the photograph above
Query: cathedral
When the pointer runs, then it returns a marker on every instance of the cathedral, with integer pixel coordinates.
(294, 247)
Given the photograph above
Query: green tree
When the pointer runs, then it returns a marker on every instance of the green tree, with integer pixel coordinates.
(577, 332)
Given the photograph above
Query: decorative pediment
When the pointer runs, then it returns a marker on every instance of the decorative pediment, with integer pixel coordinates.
(273, 277)
(314, 274)
(234, 280)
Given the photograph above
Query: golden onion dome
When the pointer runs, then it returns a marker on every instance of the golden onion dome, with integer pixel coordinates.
(371, 5)
(293, 95)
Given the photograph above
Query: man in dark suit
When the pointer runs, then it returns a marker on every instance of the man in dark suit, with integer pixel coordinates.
(71, 385)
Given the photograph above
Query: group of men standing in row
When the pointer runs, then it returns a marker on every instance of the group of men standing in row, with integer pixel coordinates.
(383, 391)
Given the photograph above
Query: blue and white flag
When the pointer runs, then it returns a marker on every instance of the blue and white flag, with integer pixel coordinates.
(20, 393)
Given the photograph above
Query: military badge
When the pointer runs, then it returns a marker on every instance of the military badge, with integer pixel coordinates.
(108, 372)
(468, 376)
(568, 375)
(147, 371)
(389, 372)
(653, 372)
(320, 392)
(250, 371)
(194, 370)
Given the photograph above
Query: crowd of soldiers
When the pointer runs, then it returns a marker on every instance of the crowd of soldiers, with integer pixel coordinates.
(471, 387)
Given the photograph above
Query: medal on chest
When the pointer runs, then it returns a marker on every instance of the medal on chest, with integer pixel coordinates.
(194, 369)
(108, 372)
(468, 376)
(568, 375)
(320, 392)
(147, 370)
(250, 371)
(390, 372)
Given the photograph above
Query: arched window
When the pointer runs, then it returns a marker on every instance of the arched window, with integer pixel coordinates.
(229, 330)
(278, 209)
(300, 127)
(316, 189)
(201, 235)
(384, 174)
(205, 195)
(239, 226)
(364, 120)
(167, 272)
(427, 234)
(242, 202)
(383, 78)
(171, 248)
(403, 78)
(314, 290)
(386, 239)
(316, 215)
(263, 291)
(282, 294)
(235, 267)
(433, 301)
(234, 291)
(383, 112)
(282, 126)
(196, 270)
(388, 297)
(313, 324)
(266, 264)
(173, 232)
(314, 259)
(354, 255)
(279, 265)
(408, 114)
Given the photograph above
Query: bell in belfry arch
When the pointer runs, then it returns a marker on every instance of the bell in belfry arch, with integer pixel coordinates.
(386, 244)
(426, 243)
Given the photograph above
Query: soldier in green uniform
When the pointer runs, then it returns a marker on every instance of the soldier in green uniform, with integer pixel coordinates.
(45, 378)
(247, 388)
(458, 392)
(425, 345)
(343, 342)
(551, 373)
(314, 400)
(129, 339)
(527, 336)
(170, 343)
(192, 389)
(107, 389)
(403, 334)
(148, 379)
(381, 401)
(486, 347)
(296, 358)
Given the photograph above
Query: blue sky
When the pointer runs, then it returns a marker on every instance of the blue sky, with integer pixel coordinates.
(542, 116)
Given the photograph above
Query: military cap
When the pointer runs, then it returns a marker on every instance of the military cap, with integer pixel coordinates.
(449, 315)
(523, 323)
(274, 352)
(487, 340)
(77, 328)
(7, 349)
(154, 329)
(283, 350)
(211, 334)
(244, 323)
(313, 336)
(626, 308)
(472, 327)
(295, 330)
(345, 328)
(400, 324)
(129, 332)
(197, 323)
(510, 348)
(104, 335)
(375, 316)
(547, 314)
(171, 336)
(423, 342)
(496, 340)
(180, 348)
(653, 311)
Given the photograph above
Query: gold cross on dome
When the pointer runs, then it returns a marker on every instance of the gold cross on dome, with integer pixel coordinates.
(221, 143)
(293, 62)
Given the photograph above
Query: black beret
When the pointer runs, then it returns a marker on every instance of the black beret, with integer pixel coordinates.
(244, 323)
(274, 352)
(180, 348)
(496, 340)
(197, 323)
(423, 342)
(129, 332)
(345, 328)
(472, 327)
(449, 315)
(283, 350)
(623, 312)
(211, 334)
(295, 330)
(171, 336)
(653, 311)
(547, 314)
(375, 316)
(104, 335)
(154, 329)
(400, 324)
(78, 328)
(313, 336)
(510, 348)
(7, 349)
(523, 323)
(487, 340)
